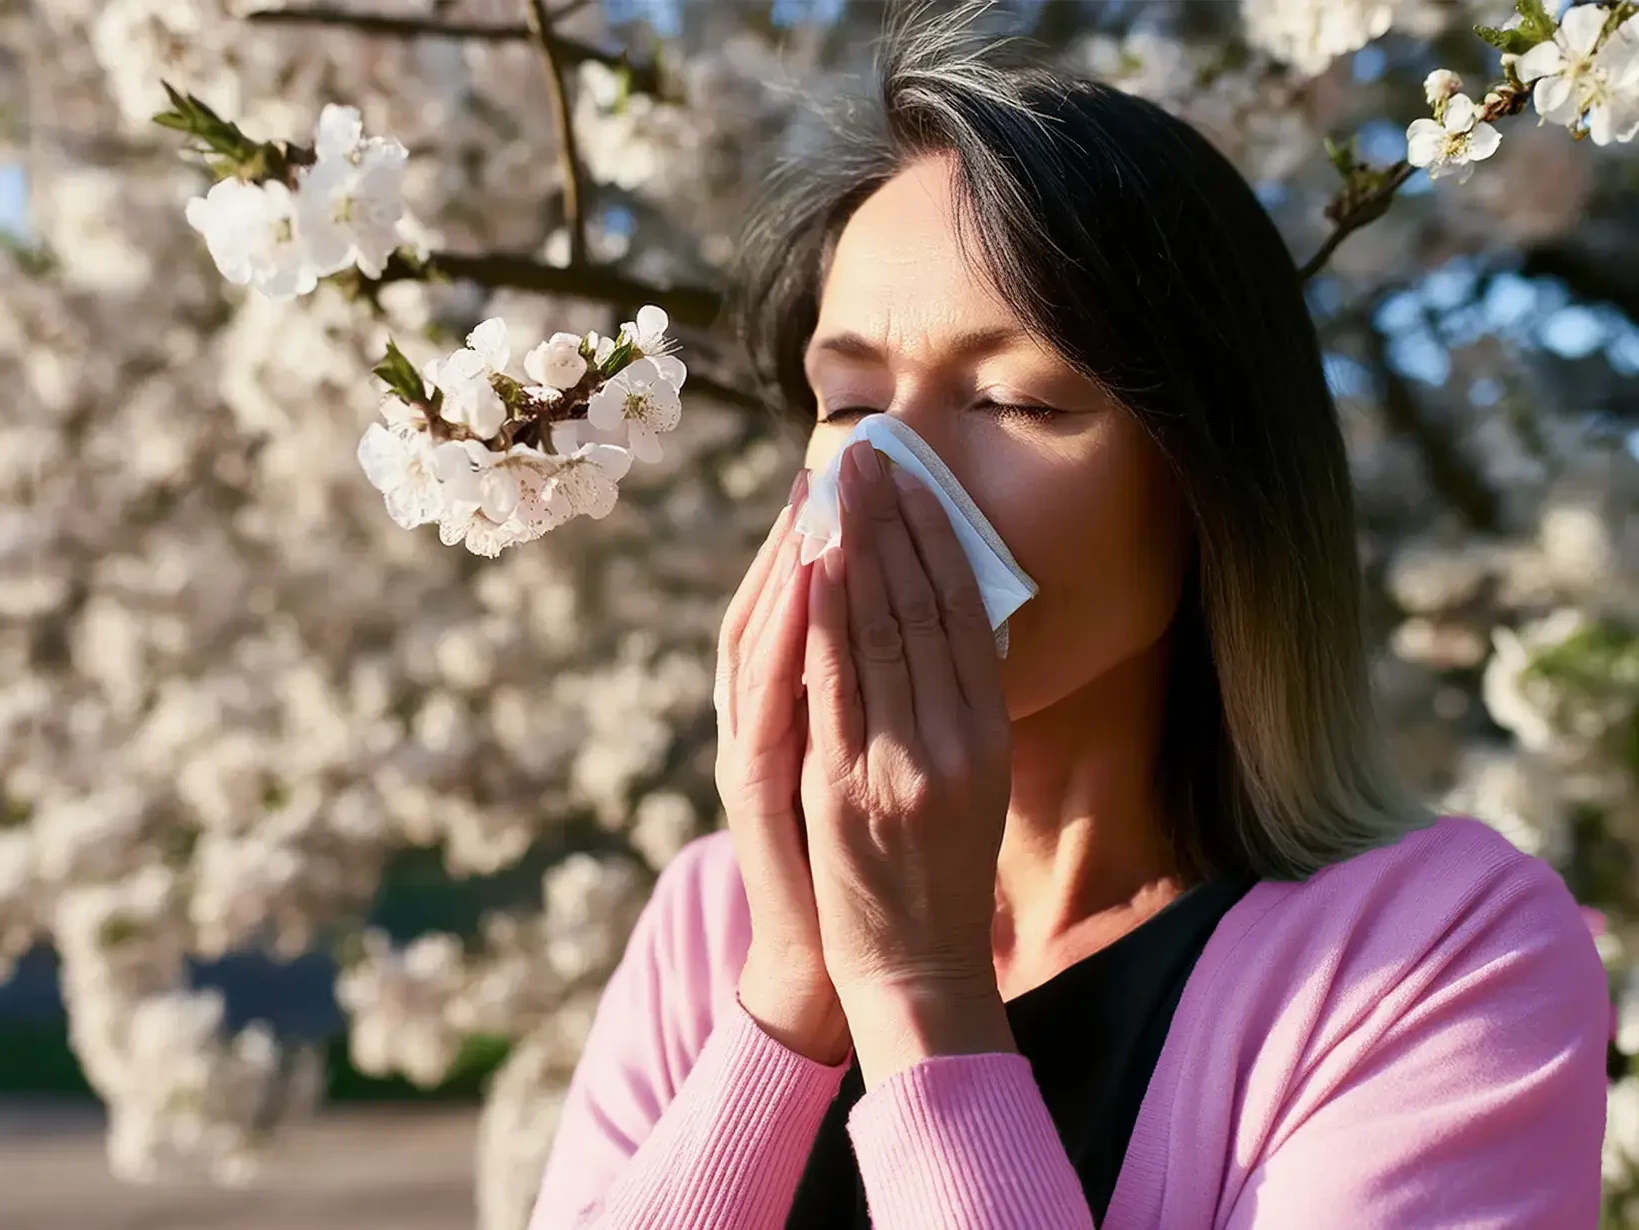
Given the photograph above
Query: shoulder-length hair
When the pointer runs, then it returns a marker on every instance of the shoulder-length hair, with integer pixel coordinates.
(1122, 239)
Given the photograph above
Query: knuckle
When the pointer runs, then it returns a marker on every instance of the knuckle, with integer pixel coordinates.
(879, 640)
(924, 509)
(919, 613)
(963, 601)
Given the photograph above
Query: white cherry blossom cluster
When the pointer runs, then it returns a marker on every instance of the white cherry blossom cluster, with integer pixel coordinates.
(1584, 75)
(412, 1007)
(341, 211)
(1310, 34)
(495, 462)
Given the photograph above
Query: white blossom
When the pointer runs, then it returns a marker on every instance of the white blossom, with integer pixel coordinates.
(1620, 1157)
(648, 331)
(641, 399)
(1310, 34)
(588, 478)
(464, 378)
(556, 363)
(1515, 793)
(253, 235)
(1581, 79)
(499, 499)
(398, 999)
(1454, 143)
(352, 198)
(1440, 85)
(399, 460)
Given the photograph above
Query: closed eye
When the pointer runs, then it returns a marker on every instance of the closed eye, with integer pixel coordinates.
(1018, 411)
(1022, 411)
(848, 414)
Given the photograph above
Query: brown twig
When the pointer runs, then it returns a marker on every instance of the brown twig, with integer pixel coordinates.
(645, 78)
(1367, 194)
(1348, 216)
(540, 26)
(695, 306)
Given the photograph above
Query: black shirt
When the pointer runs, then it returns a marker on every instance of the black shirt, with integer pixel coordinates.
(1092, 1033)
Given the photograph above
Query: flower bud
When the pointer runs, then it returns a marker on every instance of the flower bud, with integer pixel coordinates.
(1440, 85)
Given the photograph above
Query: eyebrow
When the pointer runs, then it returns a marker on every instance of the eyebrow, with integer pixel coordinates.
(851, 345)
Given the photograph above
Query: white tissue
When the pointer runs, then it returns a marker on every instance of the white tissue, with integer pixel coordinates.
(1004, 586)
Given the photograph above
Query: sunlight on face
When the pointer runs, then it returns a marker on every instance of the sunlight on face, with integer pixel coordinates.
(909, 326)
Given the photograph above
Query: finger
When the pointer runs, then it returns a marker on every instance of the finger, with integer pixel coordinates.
(744, 602)
(934, 692)
(962, 613)
(770, 677)
(787, 559)
(874, 634)
(836, 716)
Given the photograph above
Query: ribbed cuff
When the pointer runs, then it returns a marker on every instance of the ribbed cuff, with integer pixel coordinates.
(965, 1142)
(730, 1150)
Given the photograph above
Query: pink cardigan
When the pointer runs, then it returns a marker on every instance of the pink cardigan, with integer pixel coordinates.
(1412, 1039)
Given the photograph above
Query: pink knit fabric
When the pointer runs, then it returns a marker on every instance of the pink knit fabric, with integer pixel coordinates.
(1414, 1038)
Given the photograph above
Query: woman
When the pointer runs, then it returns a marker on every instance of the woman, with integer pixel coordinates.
(1135, 927)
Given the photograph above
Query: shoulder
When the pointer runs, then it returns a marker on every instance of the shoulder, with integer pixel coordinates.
(1448, 932)
(1419, 1023)
(1446, 898)
(1456, 882)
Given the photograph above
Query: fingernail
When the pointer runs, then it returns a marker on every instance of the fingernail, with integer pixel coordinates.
(831, 561)
(904, 479)
(799, 487)
(868, 463)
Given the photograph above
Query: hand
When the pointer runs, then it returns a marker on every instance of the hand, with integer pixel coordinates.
(906, 779)
(761, 730)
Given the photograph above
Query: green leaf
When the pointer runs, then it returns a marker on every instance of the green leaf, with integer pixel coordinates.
(1513, 42)
(400, 375)
(1536, 23)
(173, 119)
(1344, 157)
(618, 358)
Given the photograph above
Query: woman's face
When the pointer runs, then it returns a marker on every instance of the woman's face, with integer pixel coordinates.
(1070, 480)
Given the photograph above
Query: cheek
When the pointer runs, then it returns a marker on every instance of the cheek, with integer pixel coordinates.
(1105, 537)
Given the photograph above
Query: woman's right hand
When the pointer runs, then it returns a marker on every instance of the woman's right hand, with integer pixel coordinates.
(761, 733)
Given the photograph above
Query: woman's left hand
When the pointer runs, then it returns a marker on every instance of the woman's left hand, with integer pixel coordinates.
(906, 777)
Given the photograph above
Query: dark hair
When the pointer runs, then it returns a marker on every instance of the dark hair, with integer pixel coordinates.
(1124, 240)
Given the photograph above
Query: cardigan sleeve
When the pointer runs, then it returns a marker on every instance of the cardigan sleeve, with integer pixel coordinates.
(965, 1142)
(1483, 1104)
(654, 1133)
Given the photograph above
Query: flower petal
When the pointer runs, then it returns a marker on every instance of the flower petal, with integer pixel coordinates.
(652, 323)
(383, 456)
(645, 444)
(566, 436)
(487, 414)
(338, 132)
(671, 369)
(1483, 142)
(1460, 114)
(412, 504)
(498, 493)
(1555, 99)
(1425, 141)
(606, 410)
(640, 372)
(611, 460)
(1543, 60)
(489, 339)
(1580, 28)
